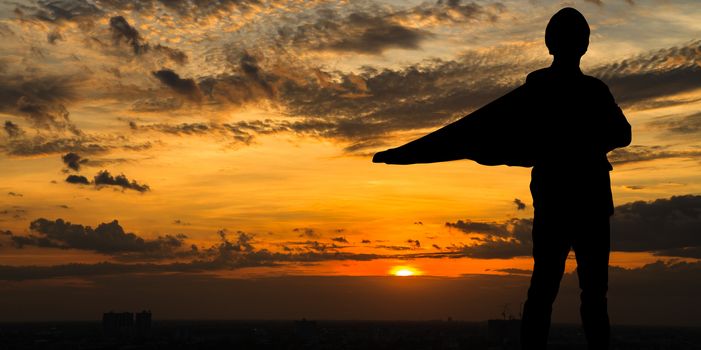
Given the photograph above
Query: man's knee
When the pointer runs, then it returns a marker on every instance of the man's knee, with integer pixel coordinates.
(543, 292)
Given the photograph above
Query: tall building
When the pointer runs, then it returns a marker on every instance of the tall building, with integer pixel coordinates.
(126, 323)
(117, 322)
(143, 321)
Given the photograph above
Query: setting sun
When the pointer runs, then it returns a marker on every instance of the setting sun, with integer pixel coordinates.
(404, 271)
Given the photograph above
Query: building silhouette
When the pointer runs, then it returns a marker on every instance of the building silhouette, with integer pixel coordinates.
(143, 321)
(126, 323)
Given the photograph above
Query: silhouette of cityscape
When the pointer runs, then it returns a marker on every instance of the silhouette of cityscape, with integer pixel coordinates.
(127, 330)
(126, 323)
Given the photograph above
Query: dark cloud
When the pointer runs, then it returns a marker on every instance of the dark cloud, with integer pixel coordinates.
(520, 205)
(156, 104)
(651, 76)
(242, 244)
(317, 246)
(640, 153)
(187, 9)
(137, 146)
(667, 227)
(340, 240)
(376, 29)
(13, 130)
(374, 103)
(106, 238)
(185, 87)
(53, 36)
(358, 32)
(40, 100)
(5, 31)
(51, 89)
(357, 108)
(122, 30)
(73, 161)
(366, 107)
(488, 228)
(513, 271)
(110, 239)
(104, 178)
(365, 33)
(77, 179)
(44, 115)
(249, 83)
(15, 212)
(14, 194)
(179, 129)
(393, 247)
(689, 124)
(250, 68)
(306, 232)
(241, 132)
(453, 12)
(57, 11)
(42, 144)
(497, 241)
(414, 243)
(366, 241)
(175, 55)
(101, 162)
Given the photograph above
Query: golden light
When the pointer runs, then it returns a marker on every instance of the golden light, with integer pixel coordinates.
(404, 271)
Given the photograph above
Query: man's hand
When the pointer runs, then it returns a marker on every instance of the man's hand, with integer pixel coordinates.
(381, 157)
(393, 156)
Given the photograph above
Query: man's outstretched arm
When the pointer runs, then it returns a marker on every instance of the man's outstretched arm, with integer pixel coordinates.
(473, 137)
(441, 145)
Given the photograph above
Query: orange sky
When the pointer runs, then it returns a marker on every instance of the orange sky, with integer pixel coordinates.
(253, 124)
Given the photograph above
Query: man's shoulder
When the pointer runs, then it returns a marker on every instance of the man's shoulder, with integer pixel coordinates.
(538, 75)
(595, 82)
(547, 76)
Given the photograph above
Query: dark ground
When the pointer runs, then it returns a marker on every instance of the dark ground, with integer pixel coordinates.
(321, 335)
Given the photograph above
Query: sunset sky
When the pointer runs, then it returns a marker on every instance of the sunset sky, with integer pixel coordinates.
(218, 153)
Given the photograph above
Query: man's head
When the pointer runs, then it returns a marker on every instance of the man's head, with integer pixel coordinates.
(567, 33)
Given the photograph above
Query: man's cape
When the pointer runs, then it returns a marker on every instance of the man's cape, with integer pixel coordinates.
(496, 134)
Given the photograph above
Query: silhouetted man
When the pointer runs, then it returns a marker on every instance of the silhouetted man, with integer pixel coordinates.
(570, 185)
(573, 122)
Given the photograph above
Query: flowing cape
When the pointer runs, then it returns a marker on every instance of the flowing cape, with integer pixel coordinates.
(496, 134)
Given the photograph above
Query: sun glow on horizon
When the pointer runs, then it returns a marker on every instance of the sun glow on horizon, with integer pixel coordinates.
(404, 271)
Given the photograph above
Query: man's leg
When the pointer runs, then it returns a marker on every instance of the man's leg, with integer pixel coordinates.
(592, 246)
(550, 249)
